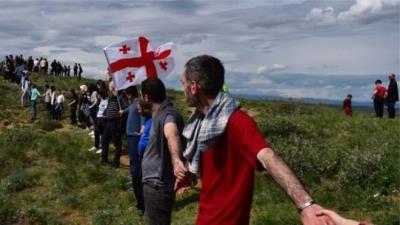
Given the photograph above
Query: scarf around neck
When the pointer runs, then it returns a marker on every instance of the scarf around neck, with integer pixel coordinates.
(202, 130)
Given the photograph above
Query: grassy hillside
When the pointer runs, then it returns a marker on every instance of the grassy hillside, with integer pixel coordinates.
(48, 176)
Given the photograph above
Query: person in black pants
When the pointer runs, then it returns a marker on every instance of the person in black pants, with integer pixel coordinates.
(112, 129)
(392, 96)
(73, 105)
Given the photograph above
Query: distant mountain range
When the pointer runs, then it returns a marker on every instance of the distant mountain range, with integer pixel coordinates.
(335, 103)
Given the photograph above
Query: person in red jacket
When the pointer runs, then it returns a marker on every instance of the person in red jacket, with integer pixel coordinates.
(225, 147)
(379, 98)
(347, 109)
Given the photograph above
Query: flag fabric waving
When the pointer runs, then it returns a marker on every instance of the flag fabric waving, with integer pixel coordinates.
(132, 61)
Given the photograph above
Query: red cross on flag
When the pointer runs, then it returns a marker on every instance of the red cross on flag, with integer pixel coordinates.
(132, 61)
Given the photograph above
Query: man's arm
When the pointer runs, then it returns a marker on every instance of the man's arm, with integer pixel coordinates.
(284, 176)
(171, 133)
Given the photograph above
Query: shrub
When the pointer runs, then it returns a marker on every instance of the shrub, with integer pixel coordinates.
(8, 210)
(41, 216)
(72, 201)
(103, 217)
(50, 125)
(19, 181)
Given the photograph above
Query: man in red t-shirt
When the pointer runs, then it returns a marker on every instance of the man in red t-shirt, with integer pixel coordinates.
(379, 98)
(225, 147)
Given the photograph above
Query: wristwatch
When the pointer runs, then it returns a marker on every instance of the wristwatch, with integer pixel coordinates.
(306, 205)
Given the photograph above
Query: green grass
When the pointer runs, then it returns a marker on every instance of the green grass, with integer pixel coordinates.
(47, 176)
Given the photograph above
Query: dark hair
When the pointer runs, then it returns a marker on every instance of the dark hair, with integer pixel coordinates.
(350, 96)
(91, 88)
(378, 82)
(146, 108)
(132, 90)
(46, 86)
(53, 88)
(73, 93)
(208, 72)
(154, 88)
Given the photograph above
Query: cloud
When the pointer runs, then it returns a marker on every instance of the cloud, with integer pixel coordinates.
(321, 16)
(363, 11)
(266, 69)
(193, 39)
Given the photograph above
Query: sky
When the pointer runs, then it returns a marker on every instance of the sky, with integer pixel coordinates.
(286, 48)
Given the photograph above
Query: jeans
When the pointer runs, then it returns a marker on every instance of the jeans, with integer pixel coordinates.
(135, 166)
(99, 127)
(159, 202)
(33, 103)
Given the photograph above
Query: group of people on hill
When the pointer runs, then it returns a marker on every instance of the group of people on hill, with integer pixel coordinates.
(386, 96)
(14, 68)
(381, 96)
(220, 143)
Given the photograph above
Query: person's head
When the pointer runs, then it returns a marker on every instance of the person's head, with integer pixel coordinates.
(153, 90)
(144, 108)
(202, 75)
(131, 92)
(349, 96)
(33, 85)
(83, 88)
(73, 92)
(392, 76)
(52, 88)
(92, 88)
(378, 82)
(46, 86)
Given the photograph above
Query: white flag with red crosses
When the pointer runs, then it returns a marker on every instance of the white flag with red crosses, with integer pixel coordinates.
(132, 61)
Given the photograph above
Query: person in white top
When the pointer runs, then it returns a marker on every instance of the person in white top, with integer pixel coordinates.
(53, 101)
(59, 105)
(25, 86)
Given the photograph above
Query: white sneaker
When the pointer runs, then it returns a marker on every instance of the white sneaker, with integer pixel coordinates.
(92, 149)
(98, 151)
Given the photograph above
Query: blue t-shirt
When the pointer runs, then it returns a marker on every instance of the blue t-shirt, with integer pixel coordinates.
(133, 122)
(144, 139)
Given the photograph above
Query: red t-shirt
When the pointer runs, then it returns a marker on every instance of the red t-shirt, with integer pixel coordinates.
(227, 173)
(380, 91)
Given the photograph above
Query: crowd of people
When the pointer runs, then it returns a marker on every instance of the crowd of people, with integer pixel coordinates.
(219, 143)
(381, 96)
(14, 68)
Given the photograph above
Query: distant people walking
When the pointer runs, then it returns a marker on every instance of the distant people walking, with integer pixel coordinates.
(73, 105)
(392, 96)
(53, 102)
(47, 100)
(25, 86)
(347, 108)
(35, 94)
(59, 105)
(79, 71)
(84, 110)
(379, 98)
(76, 70)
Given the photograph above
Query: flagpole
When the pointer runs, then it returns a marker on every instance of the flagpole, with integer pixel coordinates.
(109, 70)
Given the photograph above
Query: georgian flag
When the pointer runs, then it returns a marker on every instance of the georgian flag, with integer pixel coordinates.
(132, 61)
